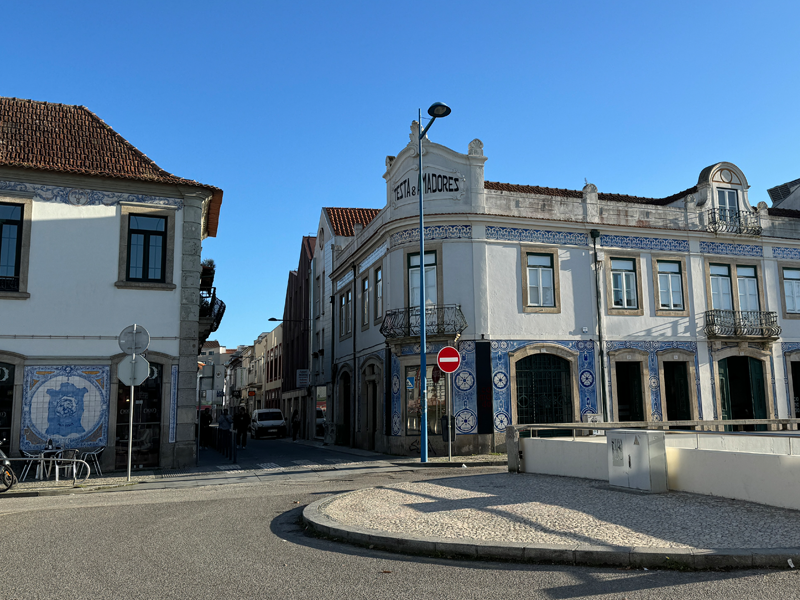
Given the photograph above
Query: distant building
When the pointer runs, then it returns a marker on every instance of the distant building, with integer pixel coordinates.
(213, 393)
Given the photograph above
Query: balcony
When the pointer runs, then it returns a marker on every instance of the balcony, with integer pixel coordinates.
(9, 284)
(211, 311)
(742, 323)
(445, 320)
(724, 220)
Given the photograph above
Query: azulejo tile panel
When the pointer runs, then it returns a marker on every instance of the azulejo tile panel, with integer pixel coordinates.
(79, 197)
(67, 404)
(465, 392)
(434, 232)
(501, 379)
(786, 253)
(540, 236)
(645, 243)
(397, 411)
(654, 381)
(731, 249)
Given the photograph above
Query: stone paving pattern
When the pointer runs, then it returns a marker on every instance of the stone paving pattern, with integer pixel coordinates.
(542, 509)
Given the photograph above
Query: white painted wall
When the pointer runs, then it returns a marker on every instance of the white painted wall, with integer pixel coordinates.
(585, 457)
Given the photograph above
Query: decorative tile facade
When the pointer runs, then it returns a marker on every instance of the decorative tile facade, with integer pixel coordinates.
(67, 404)
(373, 257)
(786, 253)
(173, 403)
(501, 378)
(397, 409)
(465, 392)
(434, 232)
(79, 197)
(654, 381)
(645, 243)
(538, 236)
(731, 249)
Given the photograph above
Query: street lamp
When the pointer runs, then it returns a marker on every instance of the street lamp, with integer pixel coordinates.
(436, 110)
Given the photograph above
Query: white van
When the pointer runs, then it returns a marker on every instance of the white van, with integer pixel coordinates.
(267, 421)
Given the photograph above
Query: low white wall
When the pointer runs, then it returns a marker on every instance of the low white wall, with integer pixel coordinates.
(584, 457)
(772, 479)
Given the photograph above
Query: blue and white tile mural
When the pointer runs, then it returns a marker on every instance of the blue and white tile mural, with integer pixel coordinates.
(501, 378)
(397, 407)
(654, 383)
(644, 243)
(68, 404)
(465, 392)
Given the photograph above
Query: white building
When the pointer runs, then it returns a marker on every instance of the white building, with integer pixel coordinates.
(96, 237)
(564, 303)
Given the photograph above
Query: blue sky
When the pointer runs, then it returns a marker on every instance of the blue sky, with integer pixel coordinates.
(289, 107)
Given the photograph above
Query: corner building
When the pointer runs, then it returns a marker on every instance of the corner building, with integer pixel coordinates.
(695, 299)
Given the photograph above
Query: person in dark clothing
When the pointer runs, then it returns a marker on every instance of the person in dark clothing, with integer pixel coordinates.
(241, 422)
(205, 428)
(295, 424)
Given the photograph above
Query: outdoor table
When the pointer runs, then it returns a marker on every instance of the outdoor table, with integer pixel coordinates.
(40, 468)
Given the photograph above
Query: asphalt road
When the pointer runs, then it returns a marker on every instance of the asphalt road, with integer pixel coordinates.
(246, 541)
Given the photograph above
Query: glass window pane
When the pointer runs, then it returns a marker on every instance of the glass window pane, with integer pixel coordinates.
(547, 287)
(630, 290)
(136, 256)
(663, 288)
(430, 258)
(669, 267)
(9, 212)
(616, 284)
(791, 274)
(147, 223)
(154, 271)
(719, 270)
(539, 260)
(677, 296)
(430, 285)
(533, 295)
(726, 296)
(413, 260)
(788, 291)
(621, 264)
(8, 251)
(413, 287)
(437, 401)
(746, 271)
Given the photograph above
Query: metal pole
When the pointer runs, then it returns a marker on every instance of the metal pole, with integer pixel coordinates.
(449, 417)
(130, 407)
(423, 370)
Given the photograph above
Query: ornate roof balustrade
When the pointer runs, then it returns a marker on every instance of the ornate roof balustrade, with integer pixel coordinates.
(440, 320)
(9, 284)
(742, 323)
(724, 220)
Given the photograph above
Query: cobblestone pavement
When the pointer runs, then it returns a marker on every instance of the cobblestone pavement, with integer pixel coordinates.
(541, 509)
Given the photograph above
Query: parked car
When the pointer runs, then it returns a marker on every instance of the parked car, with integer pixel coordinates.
(268, 421)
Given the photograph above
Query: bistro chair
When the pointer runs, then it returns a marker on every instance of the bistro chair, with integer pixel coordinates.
(33, 459)
(64, 460)
(93, 457)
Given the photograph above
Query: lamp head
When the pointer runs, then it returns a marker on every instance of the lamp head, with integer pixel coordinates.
(273, 319)
(439, 109)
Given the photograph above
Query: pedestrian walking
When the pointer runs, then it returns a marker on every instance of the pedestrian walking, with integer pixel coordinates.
(205, 427)
(295, 424)
(224, 423)
(241, 423)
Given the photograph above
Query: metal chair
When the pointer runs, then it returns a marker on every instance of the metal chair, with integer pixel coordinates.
(65, 460)
(33, 459)
(93, 457)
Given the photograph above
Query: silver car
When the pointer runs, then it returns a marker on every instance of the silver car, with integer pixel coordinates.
(267, 422)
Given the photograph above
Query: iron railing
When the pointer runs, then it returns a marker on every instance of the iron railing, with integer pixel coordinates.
(442, 319)
(9, 284)
(725, 220)
(739, 323)
(211, 307)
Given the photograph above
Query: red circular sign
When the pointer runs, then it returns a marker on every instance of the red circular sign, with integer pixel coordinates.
(448, 359)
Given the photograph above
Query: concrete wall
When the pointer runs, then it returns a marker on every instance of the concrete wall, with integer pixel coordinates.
(586, 458)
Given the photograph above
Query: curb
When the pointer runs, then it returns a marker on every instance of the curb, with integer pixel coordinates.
(571, 554)
(456, 464)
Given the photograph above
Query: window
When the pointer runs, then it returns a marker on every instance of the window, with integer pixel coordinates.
(435, 385)
(10, 246)
(748, 287)
(318, 295)
(322, 292)
(378, 293)
(430, 279)
(540, 280)
(721, 296)
(344, 312)
(728, 205)
(791, 289)
(623, 282)
(365, 302)
(146, 248)
(669, 285)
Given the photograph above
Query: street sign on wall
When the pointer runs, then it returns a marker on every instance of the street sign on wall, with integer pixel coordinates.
(303, 377)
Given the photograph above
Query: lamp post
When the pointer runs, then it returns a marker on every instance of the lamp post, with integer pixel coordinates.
(436, 110)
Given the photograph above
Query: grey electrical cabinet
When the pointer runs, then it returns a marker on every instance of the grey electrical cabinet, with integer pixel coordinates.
(637, 459)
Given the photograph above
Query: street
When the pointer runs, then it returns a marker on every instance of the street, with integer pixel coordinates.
(246, 541)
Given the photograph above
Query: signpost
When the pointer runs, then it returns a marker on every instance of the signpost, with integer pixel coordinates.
(133, 340)
(448, 360)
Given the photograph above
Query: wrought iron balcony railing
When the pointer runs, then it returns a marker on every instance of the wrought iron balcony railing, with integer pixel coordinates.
(9, 284)
(442, 319)
(725, 220)
(211, 307)
(742, 323)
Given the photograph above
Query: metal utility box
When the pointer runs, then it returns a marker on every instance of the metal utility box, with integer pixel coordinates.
(637, 459)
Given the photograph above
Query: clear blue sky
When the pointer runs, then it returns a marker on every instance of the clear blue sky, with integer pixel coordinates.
(292, 106)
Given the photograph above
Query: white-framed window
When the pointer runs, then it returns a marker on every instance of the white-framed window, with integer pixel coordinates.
(540, 280)
(318, 289)
(365, 301)
(748, 287)
(430, 279)
(721, 295)
(669, 285)
(791, 289)
(623, 282)
(728, 204)
(378, 293)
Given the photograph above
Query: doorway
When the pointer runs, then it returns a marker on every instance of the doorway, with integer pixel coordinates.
(677, 400)
(742, 394)
(630, 401)
(146, 422)
(6, 405)
(544, 391)
(796, 388)
(345, 401)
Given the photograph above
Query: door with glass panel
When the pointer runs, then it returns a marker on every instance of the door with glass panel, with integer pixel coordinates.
(728, 205)
(748, 299)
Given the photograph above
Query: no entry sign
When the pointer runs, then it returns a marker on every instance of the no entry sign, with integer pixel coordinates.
(448, 359)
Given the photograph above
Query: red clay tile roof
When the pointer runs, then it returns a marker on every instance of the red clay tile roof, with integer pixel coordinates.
(72, 139)
(343, 219)
(558, 192)
(211, 344)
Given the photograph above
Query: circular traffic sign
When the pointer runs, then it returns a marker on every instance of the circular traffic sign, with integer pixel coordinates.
(448, 359)
(134, 339)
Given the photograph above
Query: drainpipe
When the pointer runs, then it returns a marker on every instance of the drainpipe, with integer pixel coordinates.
(353, 394)
(596, 234)
(332, 373)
